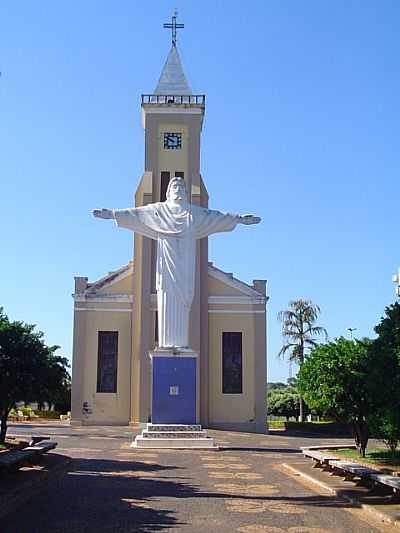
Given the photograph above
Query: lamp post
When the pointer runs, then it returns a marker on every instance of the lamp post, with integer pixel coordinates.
(396, 279)
(351, 332)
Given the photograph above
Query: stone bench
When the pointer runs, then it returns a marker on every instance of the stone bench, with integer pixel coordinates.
(365, 473)
(34, 440)
(353, 469)
(321, 458)
(42, 448)
(15, 458)
(18, 458)
(330, 447)
(390, 481)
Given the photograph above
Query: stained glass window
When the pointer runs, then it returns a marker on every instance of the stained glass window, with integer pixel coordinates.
(232, 378)
(107, 361)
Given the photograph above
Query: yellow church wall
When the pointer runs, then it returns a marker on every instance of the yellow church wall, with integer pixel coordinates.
(217, 287)
(245, 411)
(235, 409)
(77, 367)
(106, 408)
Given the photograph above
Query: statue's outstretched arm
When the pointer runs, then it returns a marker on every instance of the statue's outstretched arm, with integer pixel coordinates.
(137, 219)
(103, 213)
(249, 219)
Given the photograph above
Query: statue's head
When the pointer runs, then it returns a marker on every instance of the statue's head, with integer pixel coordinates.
(176, 190)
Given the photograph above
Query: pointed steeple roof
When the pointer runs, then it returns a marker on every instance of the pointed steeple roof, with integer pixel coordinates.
(173, 79)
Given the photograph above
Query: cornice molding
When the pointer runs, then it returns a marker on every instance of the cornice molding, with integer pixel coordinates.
(236, 300)
(104, 309)
(109, 298)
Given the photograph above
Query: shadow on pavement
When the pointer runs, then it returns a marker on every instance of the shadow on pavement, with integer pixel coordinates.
(102, 495)
(116, 496)
(258, 449)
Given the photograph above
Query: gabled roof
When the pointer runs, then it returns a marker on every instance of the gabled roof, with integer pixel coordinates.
(99, 287)
(110, 278)
(235, 283)
(173, 80)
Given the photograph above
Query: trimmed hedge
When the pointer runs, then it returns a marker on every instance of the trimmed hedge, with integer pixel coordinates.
(331, 428)
(48, 414)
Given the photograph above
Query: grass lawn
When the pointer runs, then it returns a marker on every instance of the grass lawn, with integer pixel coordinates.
(374, 456)
(276, 424)
(322, 427)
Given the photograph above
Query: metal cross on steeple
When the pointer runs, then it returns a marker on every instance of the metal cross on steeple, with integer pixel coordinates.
(173, 26)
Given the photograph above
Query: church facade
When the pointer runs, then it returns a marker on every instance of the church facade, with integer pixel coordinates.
(115, 317)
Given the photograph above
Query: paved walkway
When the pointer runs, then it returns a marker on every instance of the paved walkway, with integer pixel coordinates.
(242, 488)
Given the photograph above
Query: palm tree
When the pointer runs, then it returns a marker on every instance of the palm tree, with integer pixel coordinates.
(299, 332)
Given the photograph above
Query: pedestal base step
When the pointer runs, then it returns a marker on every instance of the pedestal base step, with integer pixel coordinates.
(141, 442)
(173, 436)
(173, 427)
(146, 434)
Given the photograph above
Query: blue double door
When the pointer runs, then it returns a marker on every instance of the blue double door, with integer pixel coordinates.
(173, 390)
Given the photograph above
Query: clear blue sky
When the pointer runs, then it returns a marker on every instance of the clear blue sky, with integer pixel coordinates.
(301, 128)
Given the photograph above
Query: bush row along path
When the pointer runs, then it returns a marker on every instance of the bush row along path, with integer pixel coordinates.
(113, 488)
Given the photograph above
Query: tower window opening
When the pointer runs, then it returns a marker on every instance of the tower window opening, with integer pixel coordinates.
(165, 177)
(156, 328)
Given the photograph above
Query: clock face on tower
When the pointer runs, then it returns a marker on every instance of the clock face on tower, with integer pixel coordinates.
(172, 141)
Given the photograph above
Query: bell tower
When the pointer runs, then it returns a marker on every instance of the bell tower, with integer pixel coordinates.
(172, 119)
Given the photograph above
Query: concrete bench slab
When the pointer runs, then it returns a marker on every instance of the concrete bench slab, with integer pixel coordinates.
(321, 458)
(42, 447)
(384, 479)
(34, 440)
(320, 455)
(354, 468)
(330, 447)
(16, 458)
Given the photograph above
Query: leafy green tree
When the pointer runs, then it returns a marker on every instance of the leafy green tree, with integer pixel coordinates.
(56, 382)
(284, 402)
(385, 352)
(27, 366)
(62, 397)
(385, 425)
(276, 385)
(336, 380)
(299, 332)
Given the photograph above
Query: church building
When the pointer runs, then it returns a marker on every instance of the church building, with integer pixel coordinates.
(115, 317)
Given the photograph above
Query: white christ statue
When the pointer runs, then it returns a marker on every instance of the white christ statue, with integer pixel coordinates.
(175, 224)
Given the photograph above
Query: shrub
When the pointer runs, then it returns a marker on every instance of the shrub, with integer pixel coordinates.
(336, 379)
(323, 428)
(386, 426)
(48, 414)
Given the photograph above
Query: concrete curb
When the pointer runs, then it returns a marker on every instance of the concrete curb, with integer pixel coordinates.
(378, 515)
(28, 489)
